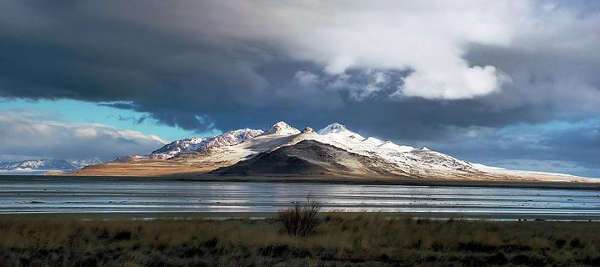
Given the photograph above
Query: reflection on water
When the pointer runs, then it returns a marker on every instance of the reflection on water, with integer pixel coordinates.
(68, 195)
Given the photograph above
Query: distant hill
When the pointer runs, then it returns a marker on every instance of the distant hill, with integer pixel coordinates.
(43, 166)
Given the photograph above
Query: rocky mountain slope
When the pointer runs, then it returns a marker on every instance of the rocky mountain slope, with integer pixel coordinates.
(199, 144)
(284, 150)
(308, 157)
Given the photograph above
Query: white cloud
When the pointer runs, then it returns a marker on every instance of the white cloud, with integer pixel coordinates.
(27, 135)
(466, 83)
(427, 37)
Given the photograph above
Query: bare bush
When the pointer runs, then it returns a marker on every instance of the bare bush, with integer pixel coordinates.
(302, 218)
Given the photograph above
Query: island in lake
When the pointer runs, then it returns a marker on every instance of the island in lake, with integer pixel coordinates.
(333, 153)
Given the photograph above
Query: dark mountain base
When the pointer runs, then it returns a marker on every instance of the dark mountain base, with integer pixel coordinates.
(304, 158)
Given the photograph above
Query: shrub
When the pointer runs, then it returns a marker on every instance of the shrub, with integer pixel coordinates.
(122, 235)
(302, 218)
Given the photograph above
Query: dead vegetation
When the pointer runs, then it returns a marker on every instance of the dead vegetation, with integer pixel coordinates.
(302, 219)
(339, 240)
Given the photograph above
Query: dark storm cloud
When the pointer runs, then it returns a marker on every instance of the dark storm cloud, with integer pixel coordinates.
(178, 71)
(202, 65)
(66, 52)
(578, 144)
(133, 119)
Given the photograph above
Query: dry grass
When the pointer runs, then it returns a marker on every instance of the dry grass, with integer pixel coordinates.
(340, 239)
(145, 168)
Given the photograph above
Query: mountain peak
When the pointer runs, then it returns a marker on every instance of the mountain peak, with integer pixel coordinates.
(308, 130)
(333, 128)
(246, 132)
(282, 128)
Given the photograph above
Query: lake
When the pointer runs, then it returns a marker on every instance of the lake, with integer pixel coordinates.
(20, 194)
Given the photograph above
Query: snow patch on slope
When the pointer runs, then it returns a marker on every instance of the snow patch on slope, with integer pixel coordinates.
(505, 171)
(407, 158)
(282, 128)
(200, 144)
(174, 148)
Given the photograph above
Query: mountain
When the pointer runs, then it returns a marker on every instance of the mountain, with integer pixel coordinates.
(43, 166)
(307, 157)
(39, 166)
(284, 150)
(177, 147)
(199, 144)
(282, 128)
(80, 163)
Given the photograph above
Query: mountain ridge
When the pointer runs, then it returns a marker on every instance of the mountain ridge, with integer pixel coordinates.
(307, 157)
(43, 166)
(241, 149)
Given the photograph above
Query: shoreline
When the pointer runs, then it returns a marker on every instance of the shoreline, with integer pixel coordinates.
(332, 180)
(221, 216)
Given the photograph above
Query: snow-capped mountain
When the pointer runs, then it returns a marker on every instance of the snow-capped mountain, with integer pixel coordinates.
(42, 166)
(334, 150)
(199, 144)
(177, 147)
(36, 166)
(406, 158)
(336, 128)
(282, 128)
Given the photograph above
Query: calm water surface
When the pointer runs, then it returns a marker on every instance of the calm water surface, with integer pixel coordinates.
(97, 195)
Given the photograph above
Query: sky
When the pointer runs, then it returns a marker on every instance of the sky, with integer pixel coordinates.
(508, 83)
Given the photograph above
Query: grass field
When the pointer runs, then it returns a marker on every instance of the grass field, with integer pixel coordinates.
(339, 240)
